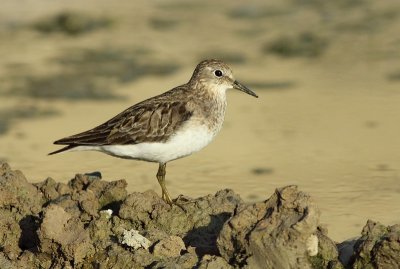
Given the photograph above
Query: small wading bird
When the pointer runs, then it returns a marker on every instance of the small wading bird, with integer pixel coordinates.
(168, 126)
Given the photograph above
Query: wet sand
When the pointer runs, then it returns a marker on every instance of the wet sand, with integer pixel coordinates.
(334, 132)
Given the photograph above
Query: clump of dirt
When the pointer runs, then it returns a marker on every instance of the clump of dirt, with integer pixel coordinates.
(378, 247)
(92, 223)
(276, 233)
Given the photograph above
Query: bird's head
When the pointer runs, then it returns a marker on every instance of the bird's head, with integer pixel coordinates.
(216, 76)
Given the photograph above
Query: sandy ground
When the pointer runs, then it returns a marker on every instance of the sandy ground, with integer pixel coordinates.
(335, 133)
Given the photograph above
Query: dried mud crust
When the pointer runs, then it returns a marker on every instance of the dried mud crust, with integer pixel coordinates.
(92, 223)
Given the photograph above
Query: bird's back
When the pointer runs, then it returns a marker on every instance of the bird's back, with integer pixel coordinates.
(152, 120)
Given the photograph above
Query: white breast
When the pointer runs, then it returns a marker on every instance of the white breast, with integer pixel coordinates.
(187, 141)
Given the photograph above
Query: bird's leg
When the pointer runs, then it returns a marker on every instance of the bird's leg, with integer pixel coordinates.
(161, 179)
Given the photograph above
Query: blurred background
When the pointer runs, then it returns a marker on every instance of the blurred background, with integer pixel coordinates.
(327, 73)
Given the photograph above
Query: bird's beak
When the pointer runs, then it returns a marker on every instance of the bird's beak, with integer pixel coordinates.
(236, 85)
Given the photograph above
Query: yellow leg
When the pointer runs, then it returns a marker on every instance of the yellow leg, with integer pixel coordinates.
(161, 179)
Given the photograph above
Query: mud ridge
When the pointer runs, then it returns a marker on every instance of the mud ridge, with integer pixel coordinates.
(93, 223)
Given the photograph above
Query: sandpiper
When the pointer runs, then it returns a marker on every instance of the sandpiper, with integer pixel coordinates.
(168, 126)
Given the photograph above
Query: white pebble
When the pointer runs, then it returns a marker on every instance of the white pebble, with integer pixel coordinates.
(133, 239)
(312, 245)
(107, 213)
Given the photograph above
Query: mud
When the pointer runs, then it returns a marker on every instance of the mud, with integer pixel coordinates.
(93, 223)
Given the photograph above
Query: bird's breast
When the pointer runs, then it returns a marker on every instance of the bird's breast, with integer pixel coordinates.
(211, 113)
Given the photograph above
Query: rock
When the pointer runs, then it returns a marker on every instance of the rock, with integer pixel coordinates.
(108, 193)
(85, 195)
(60, 232)
(327, 252)
(51, 190)
(20, 203)
(378, 247)
(16, 192)
(83, 223)
(274, 233)
(100, 232)
(116, 256)
(10, 232)
(186, 260)
(29, 259)
(156, 235)
(169, 247)
(138, 207)
(213, 262)
(80, 182)
(5, 263)
(197, 221)
(87, 202)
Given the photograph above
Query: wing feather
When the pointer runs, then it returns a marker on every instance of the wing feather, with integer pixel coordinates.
(153, 120)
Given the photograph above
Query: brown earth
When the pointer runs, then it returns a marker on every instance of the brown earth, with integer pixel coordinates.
(92, 223)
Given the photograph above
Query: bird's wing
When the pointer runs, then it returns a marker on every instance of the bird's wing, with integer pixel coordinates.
(154, 120)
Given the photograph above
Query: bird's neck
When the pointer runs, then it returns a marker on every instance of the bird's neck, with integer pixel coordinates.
(213, 106)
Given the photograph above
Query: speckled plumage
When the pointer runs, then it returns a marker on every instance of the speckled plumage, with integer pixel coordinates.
(168, 126)
(158, 118)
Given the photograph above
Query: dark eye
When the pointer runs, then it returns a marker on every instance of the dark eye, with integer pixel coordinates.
(218, 73)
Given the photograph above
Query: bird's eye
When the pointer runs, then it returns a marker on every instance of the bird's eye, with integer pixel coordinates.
(218, 73)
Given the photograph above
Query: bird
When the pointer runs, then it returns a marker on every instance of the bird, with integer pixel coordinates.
(168, 126)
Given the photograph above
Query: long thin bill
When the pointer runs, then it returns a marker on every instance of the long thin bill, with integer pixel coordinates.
(241, 87)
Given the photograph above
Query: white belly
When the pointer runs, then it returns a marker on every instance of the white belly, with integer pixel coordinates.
(182, 144)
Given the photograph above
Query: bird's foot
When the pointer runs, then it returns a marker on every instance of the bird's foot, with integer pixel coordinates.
(176, 202)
